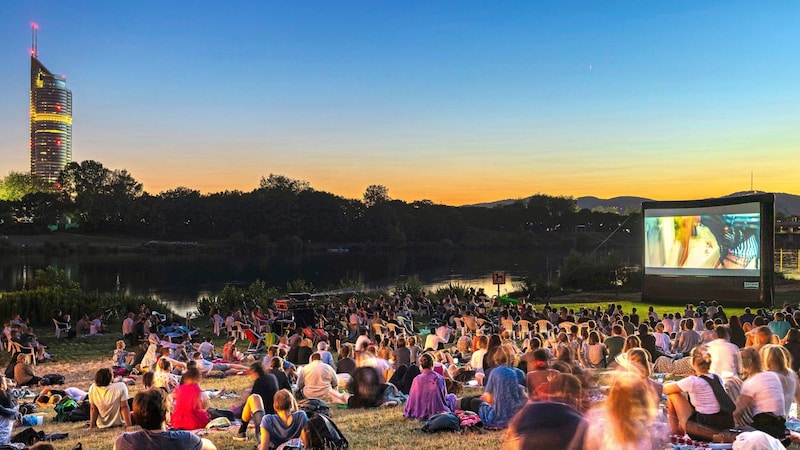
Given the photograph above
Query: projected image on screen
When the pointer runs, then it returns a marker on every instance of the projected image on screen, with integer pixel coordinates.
(713, 243)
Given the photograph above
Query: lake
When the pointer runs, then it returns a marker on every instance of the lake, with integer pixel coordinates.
(182, 280)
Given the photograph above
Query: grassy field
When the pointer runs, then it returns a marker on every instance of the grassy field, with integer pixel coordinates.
(79, 358)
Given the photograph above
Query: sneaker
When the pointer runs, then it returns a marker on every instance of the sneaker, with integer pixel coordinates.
(240, 437)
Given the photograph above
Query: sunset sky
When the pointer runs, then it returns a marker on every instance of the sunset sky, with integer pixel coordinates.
(456, 102)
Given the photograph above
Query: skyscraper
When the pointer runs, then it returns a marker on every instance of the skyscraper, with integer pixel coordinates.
(51, 118)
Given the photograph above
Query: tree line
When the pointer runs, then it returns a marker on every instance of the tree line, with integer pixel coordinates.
(105, 201)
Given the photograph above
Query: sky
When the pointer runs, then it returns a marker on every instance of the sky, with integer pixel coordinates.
(454, 102)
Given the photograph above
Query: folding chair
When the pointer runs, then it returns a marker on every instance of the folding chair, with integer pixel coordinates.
(256, 341)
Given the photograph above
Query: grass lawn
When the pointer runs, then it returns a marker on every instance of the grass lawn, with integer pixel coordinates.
(79, 358)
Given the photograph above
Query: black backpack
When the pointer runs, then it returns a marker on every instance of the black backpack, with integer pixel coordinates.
(314, 405)
(442, 422)
(726, 405)
(52, 378)
(81, 413)
(323, 434)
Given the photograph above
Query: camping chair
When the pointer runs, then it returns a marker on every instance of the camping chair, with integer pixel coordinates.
(61, 327)
(256, 341)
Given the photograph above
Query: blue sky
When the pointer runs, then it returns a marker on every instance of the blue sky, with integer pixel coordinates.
(457, 102)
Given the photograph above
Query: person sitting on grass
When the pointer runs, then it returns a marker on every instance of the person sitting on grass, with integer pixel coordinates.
(9, 411)
(258, 403)
(150, 412)
(229, 352)
(163, 377)
(108, 402)
(23, 372)
(122, 357)
(503, 396)
(428, 395)
(188, 411)
(286, 424)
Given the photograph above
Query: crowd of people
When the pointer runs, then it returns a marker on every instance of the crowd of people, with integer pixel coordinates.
(549, 377)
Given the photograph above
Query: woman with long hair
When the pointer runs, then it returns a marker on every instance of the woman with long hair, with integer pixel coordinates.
(775, 358)
(629, 418)
(792, 344)
(701, 415)
(737, 332)
(593, 352)
(751, 365)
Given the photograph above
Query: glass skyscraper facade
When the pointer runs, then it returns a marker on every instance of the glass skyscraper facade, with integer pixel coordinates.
(51, 122)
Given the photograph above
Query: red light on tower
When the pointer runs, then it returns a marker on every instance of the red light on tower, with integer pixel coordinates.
(58, 107)
(34, 25)
(58, 141)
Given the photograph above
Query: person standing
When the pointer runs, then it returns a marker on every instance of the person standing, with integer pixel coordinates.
(127, 330)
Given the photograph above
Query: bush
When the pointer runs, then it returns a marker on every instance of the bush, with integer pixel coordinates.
(459, 290)
(411, 285)
(40, 303)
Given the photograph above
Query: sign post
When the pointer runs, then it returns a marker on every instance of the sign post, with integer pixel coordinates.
(498, 278)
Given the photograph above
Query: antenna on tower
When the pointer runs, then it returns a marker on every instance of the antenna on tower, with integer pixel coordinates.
(34, 39)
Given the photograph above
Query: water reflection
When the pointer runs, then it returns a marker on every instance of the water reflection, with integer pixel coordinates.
(182, 280)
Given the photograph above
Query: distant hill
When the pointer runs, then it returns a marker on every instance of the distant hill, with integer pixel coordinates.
(785, 204)
(621, 204)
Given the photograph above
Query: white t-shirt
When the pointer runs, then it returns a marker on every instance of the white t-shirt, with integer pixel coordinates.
(767, 392)
(432, 341)
(789, 386)
(205, 348)
(477, 359)
(724, 358)
(107, 401)
(700, 393)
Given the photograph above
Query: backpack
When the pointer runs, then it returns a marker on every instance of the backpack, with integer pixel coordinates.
(323, 434)
(28, 408)
(442, 422)
(52, 378)
(726, 405)
(314, 405)
(64, 408)
(80, 413)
